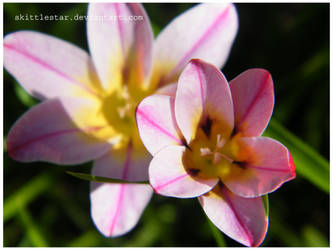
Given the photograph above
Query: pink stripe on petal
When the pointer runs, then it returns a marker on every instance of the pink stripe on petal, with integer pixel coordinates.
(121, 48)
(120, 28)
(122, 187)
(205, 31)
(48, 133)
(203, 93)
(221, 18)
(168, 175)
(116, 208)
(234, 210)
(242, 219)
(253, 98)
(158, 128)
(155, 119)
(269, 169)
(13, 149)
(169, 182)
(266, 166)
(47, 66)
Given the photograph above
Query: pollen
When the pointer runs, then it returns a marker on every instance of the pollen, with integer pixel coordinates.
(212, 154)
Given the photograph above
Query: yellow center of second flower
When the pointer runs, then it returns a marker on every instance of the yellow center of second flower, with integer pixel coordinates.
(211, 154)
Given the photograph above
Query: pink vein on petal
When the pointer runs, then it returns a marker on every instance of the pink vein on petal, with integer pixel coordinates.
(169, 182)
(54, 134)
(122, 187)
(162, 130)
(254, 101)
(237, 216)
(200, 41)
(201, 88)
(120, 28)
(269, 169)
(49, 67)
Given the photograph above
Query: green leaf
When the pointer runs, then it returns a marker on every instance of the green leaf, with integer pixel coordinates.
(313, 237)
(309, 163)
(24, 97)
(88, 239)
(94, 178)
(32, 230)
(26, 194)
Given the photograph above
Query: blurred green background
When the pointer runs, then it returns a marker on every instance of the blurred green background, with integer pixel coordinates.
(44, 206)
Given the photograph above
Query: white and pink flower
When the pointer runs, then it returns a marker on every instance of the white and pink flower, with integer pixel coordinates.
(206, 143)
(88, 101)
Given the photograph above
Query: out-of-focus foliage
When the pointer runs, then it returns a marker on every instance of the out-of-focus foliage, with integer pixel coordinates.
(44, 206)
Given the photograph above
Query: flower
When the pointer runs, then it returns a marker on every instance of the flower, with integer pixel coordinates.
(88, 102)
(209, 146)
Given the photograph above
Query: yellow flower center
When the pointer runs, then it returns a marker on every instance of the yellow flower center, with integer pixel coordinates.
(212, 154)
(112, 113)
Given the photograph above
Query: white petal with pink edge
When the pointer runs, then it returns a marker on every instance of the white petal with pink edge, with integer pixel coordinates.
(242, 219)
(156, 123)
(48, 133)
(117, 208)
(49, 67)
(265, 165)
(253, 98)
(168, 176)
(121, 48)
(203, 92)
(205, 31)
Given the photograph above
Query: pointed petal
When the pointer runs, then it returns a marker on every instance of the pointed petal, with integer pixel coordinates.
(121, 47)
(117, 208)
(265, 165)
(242, 219)
(253, 98)
(156, 123)
(49, 67)
(203, 93)
(206, 31)
(168, 176)
(48, 133)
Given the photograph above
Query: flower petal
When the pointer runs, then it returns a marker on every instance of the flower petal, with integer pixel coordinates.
(129, 164)
(265, 164)
(169, 90)
(168, 176)
(156, 123)
(121, 46)
(253, 98)
(203, 93)
(206, 31)
(242, 219)
(117, 208)
(48, 133)
(49, 67)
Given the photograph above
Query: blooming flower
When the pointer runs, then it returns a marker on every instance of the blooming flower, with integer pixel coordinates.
(88, 108)
(209, 146)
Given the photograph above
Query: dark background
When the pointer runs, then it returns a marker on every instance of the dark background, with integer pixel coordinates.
(43, 206)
